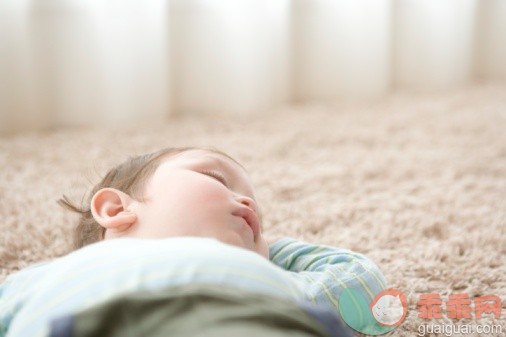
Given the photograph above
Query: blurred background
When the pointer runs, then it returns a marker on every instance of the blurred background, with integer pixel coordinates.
(87, 62)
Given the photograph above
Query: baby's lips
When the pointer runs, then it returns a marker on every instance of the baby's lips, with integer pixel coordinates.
(251, 218)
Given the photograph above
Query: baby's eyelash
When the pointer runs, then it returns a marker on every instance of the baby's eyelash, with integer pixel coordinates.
(216, 175)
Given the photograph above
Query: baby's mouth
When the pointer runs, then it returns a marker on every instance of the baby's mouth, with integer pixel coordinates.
(250, 217)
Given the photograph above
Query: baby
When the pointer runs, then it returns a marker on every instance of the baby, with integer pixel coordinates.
(180, 225)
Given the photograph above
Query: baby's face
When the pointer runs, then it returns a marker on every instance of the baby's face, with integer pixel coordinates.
(200, 193)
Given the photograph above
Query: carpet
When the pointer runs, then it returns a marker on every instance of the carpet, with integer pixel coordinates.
(417, 182)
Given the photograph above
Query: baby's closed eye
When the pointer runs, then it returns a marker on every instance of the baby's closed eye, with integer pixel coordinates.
(216, 175)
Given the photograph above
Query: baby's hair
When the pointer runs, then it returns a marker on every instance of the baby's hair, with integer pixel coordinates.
(128, 177)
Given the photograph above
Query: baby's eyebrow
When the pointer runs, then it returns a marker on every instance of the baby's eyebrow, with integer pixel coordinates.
(215, 161)
(222, 161)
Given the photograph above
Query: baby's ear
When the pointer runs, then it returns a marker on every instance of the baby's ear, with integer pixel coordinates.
(109, 208)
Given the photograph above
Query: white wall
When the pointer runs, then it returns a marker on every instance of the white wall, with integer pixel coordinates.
(341, 48)
(18, 110)
(71, 62)
(67, 62)
(490, 43)
(229, 56)
(434, 43)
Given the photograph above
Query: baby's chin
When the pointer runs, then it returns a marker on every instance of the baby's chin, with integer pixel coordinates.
(263, 247)
(260, 247)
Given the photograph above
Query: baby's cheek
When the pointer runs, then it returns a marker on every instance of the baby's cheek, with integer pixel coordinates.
(209, 192)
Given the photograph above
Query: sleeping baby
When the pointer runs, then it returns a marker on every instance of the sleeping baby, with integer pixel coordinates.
(171, 242)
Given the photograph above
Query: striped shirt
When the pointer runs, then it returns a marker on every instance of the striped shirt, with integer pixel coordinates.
(324, 271)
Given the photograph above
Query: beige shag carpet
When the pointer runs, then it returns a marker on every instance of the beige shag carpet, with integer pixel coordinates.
(416, 182)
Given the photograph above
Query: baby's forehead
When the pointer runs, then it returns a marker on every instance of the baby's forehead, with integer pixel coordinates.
(211, 156)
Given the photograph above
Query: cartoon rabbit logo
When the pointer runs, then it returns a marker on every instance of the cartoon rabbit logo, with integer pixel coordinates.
(389, 307)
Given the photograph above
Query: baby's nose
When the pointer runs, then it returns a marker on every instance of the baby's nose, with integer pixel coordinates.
(247, 201)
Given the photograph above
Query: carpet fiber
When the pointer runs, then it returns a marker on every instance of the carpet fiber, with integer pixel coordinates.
(415, 182)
